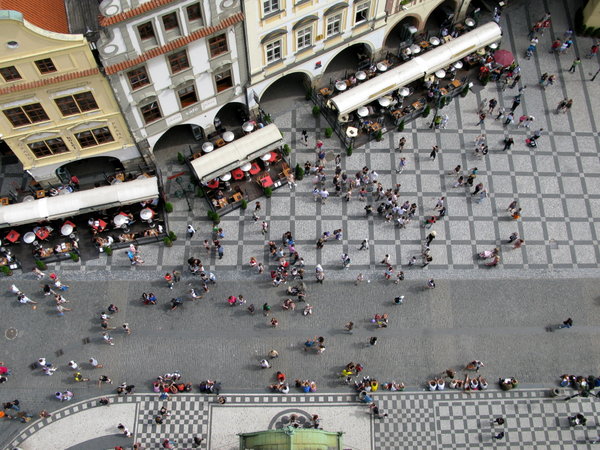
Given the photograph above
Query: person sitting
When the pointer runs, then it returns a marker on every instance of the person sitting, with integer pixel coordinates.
(176, 303)
(288, 304)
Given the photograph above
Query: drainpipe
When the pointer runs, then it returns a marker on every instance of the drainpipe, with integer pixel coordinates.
(246, 85)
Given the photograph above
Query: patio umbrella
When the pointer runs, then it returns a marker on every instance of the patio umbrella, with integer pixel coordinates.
(228, 136)
(381, 67)
(440, 73)
(404, 92)
(470, 22)
(352, 132)
(120, 220)
(384, 101)
(67, 229)
(225, 177)
(247, 127)
(434, 41)
(340, 85)
(458, 65)
(29, 237)
(266, 157)
(363, 111)
(146, 214)
(246, 167)
(207, 147)
(360, 75)
(504, 57)
(415, 49)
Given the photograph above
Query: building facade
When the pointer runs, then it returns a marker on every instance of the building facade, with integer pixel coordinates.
(286, 37)
(173, 63)
(57, 107)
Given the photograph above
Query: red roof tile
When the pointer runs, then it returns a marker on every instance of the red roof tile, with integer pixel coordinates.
(145, 7)
(48, 81)
(50, 15)
(198, 34)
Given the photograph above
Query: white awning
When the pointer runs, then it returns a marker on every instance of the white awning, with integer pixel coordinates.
(79, 202)
(419, 67)
(236, 153)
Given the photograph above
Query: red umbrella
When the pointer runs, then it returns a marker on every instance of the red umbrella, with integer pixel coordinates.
(504, 57)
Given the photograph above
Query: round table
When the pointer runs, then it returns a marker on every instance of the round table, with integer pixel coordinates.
(29, 237)
(352, 132)
(228, 136)
(381, 67)
(362, 111)
(360, 75)
(225, 177)
(66, 229)
(458, 65)
(120, 220)
(440, 73)
(246, 167)
(384, 101)
(404, 92)
(435, 41)
(146, 214)
(208, 147)
(248, 127)
(340, 85)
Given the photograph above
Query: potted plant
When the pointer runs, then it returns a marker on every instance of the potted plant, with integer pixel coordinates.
(244, 204)
(316, 111)
(199, 192)
(379, 136)
(299, 172)
(168, 207)
(426, 111)
(213, 216)
(74, 257)
(6, 271)
(172, 236)
(328, 132)
(108, 251)
(286, 150)
(41, 264)
(180, 158)
(268, 191)
(349, 150)
(401, 126)
(168, 242)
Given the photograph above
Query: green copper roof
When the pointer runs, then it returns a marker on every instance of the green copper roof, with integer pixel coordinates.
(291, 438)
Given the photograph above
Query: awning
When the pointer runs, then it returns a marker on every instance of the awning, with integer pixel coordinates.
(79, 202)
(236, 153)
(419, 67)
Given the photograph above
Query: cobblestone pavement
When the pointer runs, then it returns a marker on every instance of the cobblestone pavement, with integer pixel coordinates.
(415, 420)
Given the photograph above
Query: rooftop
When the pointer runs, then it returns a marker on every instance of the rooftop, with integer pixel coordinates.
(50, 15)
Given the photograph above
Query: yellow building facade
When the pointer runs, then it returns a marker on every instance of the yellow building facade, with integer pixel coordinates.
(56, 105)
(591, 14)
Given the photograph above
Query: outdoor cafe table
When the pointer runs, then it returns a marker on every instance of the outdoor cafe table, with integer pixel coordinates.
(254, 169)
(98, 225)
(120, 219)
(266, 181)
(42, 233)
(213, 184)
(13, 236)
(147, 213)
(237, 174)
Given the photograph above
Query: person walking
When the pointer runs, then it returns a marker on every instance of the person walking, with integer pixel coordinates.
(491, 105)
(567, 323)
(593, 51)
(364, 245)
(264, 228)
(124, 430)
(516, 103)
(536, 134)
(191, 231)
(510, 119)
(482, 116)
(434, 152)
(508, 143)
(304, 138)
(401, 143)
(94, 363)
(430, 237)
(574, 65)
(401, 165)
(373, 341)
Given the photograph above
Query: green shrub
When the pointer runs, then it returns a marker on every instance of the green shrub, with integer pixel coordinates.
(379, 136)
(41, 264)
(316, 111)
(169, 207)
(199, 192)
(465, 91)
(401, 126)
(108, 251)
(6, 271)
(244, 204)
(172, 236)
(299, 172)
(485, 79)
(268, 191)
(74, 257)
(212, 215)
(168, 242)
(328, 132)
(349, 150)
(268, 118)
(180, 158)
(426, 111)
(287, 150)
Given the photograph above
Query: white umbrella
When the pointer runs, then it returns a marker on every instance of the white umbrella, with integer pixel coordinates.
(384, 101)
(351, 132)
(415, 49)
(146, 214)
(494, 45)
(360, 75)
(340, 85)
(225, 177)
(120, 220)
(470, 22)
(67, 229)
(434, 41)
(247, 127)
(440, 73)
(381, 67)
(246, 167)
(207, 147)
(29, 237)
(404, 92)
(228, 136)
(266, 157)
(363, 111)
(458, 64)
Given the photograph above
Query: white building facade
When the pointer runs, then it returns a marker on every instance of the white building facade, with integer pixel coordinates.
(173, 62)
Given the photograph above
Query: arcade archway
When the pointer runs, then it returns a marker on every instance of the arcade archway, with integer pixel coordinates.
(283, 94)
(231, 115)
(356, 57)
(89, 170)
(443, 16)
(402, 34)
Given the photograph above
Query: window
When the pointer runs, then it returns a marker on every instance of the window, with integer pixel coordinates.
(151, 112)
(334, 25)
(48, 147)
(10, 73)
(45, 65)
(25, 115)
(217, 45)
(76, 104)
(97, 136)
(270, 6)
(187, 96)
(273, 51)
(138, 78)
(178, 61)
(223, 80)
(146, 31)
(361, 13)
(170, 21)
(304, 38)
(194, 12)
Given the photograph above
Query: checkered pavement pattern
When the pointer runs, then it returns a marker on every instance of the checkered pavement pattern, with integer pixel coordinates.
(557, 184)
